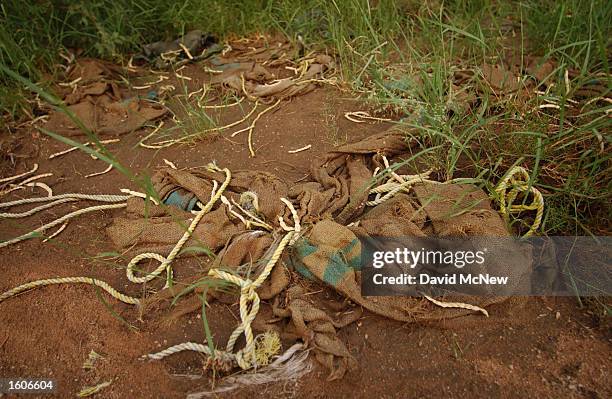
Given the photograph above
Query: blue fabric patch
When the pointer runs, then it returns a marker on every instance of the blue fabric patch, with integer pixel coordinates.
(181, 200)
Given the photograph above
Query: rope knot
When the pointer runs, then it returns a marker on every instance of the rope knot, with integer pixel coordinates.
(249, 299)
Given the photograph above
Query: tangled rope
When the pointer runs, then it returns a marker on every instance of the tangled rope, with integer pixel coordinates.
(394, 184)
(165, 262)
(249, 305)
(515, 182)
(518, 180)
(53, 200)
(251, 219)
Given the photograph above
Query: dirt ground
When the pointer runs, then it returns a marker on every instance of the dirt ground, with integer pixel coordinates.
(535, 347)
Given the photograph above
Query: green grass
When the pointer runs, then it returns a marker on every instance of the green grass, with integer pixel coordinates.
(400, 56)
(191, 120)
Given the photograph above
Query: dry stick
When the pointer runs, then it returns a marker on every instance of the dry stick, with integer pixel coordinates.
(252, 126)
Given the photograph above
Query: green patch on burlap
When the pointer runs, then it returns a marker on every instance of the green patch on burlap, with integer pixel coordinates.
(330, 252)
(302, 249)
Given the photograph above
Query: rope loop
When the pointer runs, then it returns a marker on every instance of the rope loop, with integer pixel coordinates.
(518, 181)
(165, 262)
(249, 299)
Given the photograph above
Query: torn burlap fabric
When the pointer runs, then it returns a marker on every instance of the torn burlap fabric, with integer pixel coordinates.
(96, 100)
(329, 251)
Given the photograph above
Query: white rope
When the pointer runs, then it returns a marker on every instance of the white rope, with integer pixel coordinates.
(37, 209)
(249, 307)
(165, 262)
(92, 197)
(64, 280)
(188, 346)
(61, 220)
(11, 178)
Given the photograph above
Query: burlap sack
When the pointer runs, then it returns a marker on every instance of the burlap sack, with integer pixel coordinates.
(329, 251)
(313, 325)
(98, 104)
(332, 252)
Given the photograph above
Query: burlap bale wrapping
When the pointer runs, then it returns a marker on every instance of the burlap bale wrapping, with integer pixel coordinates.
(329, 251)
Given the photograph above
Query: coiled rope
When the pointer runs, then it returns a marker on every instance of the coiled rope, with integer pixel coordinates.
(518, 181)
(165, 262)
